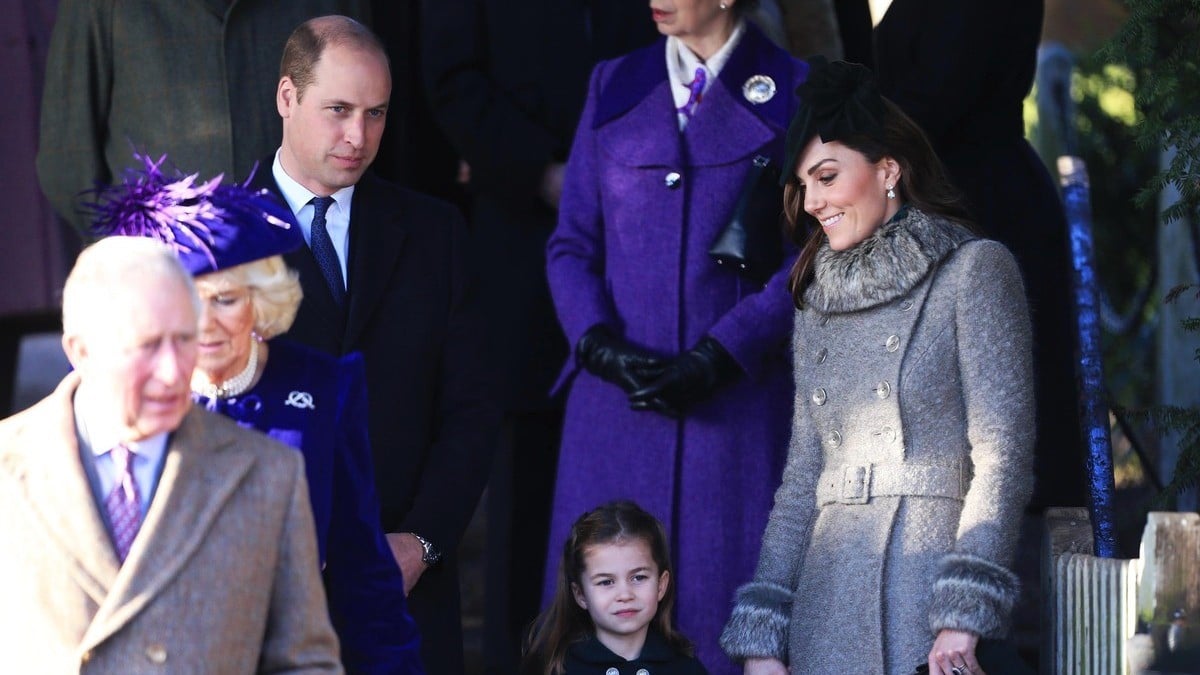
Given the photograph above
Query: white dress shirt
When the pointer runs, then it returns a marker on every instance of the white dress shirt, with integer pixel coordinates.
(337, 218)
(682, 64)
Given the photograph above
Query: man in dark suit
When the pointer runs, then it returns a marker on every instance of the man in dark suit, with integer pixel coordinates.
(385, 273)
(507, 81)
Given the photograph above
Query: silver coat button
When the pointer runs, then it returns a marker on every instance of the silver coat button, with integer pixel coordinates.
(906, 305)
(883, 389)
(821, 355)
(893, 343)
(834, 438)
(642, 671)
(889, 434)
(673, 180)
(612, 671)
(156, 654)
(818, 396)
(824, 319)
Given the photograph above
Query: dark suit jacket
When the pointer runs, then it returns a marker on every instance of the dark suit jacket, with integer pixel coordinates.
(433, 420)
(507, 81)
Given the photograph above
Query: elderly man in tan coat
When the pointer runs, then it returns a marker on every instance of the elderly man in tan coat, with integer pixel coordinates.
(141, 534)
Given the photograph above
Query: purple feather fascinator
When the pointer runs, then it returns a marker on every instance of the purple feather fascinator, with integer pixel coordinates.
(210, 225)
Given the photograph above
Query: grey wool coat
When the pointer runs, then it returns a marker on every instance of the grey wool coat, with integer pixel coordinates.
(909, 463)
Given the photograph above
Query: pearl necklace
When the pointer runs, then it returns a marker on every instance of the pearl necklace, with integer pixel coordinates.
(234, 385)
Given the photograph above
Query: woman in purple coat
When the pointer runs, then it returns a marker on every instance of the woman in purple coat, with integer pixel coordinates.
(680, 392)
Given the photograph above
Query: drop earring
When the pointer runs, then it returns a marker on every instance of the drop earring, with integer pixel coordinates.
(724, 6)
(891, 193)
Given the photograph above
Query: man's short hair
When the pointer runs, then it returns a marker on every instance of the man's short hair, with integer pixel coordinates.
(306, 44)
(115, 263)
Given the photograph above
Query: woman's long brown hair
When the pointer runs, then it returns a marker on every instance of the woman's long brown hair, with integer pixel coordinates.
(924, 184)
(564, 621)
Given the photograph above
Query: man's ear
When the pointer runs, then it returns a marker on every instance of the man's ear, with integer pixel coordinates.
(75, 349)
(580, 599)
(286, 97)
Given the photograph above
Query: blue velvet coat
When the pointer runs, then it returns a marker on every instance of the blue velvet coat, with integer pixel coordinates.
(317, 404)
(631, 252)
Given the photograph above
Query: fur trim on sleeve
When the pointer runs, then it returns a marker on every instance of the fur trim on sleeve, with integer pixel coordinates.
(973, 594)
(758, 627)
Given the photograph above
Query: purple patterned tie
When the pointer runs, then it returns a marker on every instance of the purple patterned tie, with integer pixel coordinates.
(124, 504)
(696, 89)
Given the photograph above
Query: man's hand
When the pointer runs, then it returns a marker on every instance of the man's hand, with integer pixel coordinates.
(765, 667)
(408, 552)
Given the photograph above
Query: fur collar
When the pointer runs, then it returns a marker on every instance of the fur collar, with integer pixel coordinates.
(884, 266)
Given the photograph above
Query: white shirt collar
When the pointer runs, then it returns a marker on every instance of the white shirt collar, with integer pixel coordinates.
(682, 64)
(297, 196)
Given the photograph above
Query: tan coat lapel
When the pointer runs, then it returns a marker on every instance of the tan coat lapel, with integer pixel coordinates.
(198, 478)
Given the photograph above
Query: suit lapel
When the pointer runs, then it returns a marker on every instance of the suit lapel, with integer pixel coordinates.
(376, 237)
(59, 492)
(199, 475)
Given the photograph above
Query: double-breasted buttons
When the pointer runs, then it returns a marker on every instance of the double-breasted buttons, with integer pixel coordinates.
(833, 438)
(906, 305)
(883, 389)
(156, 654)
(642, 671)
(818, 396)
(612, 671)
(889, 434)
(893, 343)
(822, 355)
(672, 180)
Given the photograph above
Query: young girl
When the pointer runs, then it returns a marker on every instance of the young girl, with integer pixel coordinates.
(611, 613)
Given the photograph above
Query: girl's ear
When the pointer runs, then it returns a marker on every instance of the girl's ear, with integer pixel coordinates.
(664, 580)
(580, 599)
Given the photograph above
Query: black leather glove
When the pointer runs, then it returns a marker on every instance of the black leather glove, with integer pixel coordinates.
(612, 359)
(688, 379)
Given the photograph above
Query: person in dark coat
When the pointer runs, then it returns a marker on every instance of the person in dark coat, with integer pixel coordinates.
(962, 71)
(507, 81)
(189, 79)
(301, 397)
(653, 176)
(385, 273)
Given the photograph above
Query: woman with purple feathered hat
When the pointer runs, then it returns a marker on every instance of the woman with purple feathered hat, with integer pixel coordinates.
(232, 240)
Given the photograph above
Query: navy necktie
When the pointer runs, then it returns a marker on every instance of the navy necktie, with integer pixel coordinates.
(322, 248)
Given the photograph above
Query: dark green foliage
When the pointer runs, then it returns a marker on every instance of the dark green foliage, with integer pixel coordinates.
(1159, 44)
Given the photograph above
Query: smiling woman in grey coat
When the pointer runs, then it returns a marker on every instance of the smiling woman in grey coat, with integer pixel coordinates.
(892, 535)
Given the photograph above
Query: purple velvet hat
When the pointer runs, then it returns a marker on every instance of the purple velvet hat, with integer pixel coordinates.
(211, 226)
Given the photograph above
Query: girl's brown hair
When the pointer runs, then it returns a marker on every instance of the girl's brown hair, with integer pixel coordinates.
(564, 621)
(923, 184)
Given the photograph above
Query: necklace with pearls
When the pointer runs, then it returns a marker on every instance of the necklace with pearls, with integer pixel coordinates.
(234, 385)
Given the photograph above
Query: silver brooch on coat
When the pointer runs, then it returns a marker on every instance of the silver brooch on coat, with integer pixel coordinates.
(300, 399)
(759, 89)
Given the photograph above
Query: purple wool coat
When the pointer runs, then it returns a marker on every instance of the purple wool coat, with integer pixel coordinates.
(631, 252)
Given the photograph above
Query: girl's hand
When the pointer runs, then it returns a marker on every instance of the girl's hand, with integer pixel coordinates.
(765, 667)
(953, 653)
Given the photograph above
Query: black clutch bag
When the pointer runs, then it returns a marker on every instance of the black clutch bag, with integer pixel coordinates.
(752, 242)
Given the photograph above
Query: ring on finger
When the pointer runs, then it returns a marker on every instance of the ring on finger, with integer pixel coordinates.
(957, 670)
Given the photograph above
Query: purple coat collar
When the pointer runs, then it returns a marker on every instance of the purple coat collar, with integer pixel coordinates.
(637, 74)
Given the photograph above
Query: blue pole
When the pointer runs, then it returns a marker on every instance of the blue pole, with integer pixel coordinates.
(1093, 404)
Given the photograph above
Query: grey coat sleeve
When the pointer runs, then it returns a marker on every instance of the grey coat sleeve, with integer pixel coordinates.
(975, 590)
(758, 627)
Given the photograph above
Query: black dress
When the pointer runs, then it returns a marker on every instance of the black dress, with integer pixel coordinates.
(657, 658)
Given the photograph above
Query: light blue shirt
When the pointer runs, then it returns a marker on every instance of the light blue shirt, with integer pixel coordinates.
(99, 439)
(337, 218)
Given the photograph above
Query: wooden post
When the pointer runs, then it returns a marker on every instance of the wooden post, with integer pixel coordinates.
(1169, 594)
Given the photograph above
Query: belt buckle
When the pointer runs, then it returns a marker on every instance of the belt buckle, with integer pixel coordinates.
(856, 484)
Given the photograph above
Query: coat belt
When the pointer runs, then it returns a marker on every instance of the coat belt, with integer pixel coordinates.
(858, 483)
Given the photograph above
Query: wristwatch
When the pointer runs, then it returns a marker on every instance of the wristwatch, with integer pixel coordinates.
(431, 555)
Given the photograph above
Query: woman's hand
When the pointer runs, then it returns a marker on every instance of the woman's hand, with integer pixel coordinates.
(765, 667)
(953, 653)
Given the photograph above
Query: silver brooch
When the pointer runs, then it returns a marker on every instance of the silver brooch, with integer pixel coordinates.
(301, 400)
(759, 89)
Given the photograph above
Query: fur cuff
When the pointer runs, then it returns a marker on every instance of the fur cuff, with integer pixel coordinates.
(973, 594)
(758, 627)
